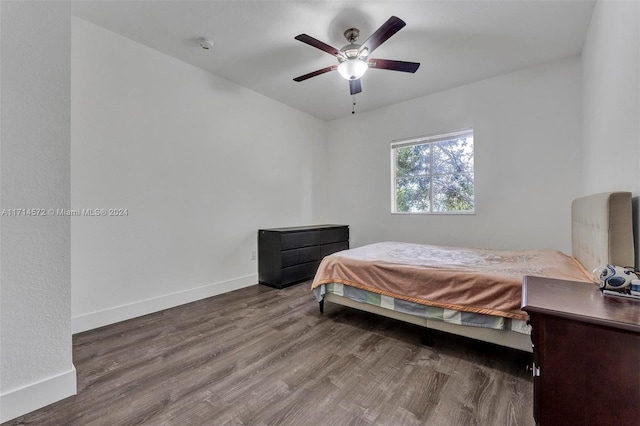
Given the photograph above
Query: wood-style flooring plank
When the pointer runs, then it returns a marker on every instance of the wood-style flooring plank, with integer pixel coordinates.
(261, 356)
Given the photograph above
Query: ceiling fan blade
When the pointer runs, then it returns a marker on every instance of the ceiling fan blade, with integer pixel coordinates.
(388, 64)
(315, 73)
(355, 86)
(382, 34)
(318, 44)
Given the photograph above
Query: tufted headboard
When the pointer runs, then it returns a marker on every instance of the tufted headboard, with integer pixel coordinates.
(602, 230)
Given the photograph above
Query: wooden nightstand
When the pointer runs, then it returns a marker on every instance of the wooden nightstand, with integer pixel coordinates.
(586, 353)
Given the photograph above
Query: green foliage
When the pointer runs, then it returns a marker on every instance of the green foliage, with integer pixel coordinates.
(435, 176)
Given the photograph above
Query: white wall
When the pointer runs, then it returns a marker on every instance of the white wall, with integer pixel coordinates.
(35, 289)
(200, 163)
(611, 101)
(528, 166)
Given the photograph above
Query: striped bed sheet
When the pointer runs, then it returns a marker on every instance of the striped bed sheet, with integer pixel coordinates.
(423, 311)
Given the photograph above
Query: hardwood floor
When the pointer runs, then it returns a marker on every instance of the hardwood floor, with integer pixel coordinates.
(262, 356)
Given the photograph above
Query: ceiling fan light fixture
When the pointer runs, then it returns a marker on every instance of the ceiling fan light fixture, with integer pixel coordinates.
(353, 69)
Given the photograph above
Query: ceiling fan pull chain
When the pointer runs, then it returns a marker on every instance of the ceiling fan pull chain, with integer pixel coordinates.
(353, 107)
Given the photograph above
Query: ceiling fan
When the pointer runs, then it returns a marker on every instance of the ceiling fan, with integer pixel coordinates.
(354, 58)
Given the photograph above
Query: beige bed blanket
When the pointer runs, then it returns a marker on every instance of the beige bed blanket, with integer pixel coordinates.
(465, 279)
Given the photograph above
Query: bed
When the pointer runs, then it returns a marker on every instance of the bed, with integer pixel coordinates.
(473, 292)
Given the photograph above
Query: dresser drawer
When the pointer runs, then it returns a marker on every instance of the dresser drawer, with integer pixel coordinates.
(327, 249)
(300, 255)
(334, 235)
(291, 240)
(299, 272)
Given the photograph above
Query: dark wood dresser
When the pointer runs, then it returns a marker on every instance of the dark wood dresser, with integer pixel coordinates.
(586, 354)
(287, 256)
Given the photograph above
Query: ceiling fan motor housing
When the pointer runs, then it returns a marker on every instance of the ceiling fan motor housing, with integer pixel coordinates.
(350, 51)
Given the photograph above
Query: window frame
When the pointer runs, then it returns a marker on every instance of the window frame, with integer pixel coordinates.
(422, 140)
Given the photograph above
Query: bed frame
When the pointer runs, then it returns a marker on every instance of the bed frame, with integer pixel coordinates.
(601, 232)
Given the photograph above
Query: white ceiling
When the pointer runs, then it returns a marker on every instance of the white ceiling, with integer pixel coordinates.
(457, 42)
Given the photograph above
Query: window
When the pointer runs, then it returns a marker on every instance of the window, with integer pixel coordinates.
(433, 174)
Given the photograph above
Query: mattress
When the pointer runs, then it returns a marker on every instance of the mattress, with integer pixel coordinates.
(487, 282)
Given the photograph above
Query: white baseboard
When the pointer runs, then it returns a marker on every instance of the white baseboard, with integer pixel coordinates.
(116, 314)
(28, 398)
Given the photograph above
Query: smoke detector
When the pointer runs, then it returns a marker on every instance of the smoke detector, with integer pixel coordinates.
(205, 44)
